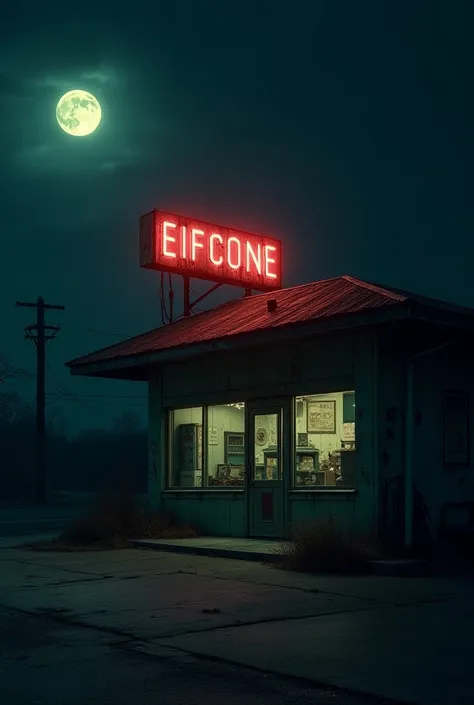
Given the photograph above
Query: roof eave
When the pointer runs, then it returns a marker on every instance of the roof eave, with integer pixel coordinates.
(106, 368)
(442, 316)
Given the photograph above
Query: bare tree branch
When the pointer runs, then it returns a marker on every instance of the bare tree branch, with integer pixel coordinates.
(8, 371)
(12, 409)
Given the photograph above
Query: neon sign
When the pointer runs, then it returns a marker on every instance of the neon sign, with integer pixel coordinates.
(179, 245)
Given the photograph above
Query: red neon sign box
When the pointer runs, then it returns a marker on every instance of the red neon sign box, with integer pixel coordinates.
(179, 245)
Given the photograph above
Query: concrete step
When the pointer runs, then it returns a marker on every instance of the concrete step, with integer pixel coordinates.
(238, 549)
(262, 550)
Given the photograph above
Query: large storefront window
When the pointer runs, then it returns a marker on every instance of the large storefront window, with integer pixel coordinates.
(325, 440)
(185, 426)
(218, 462)
(226, 445)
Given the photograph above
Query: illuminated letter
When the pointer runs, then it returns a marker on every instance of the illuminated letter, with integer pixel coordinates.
(168, 238)
(194, 243)
(269, 260)
(239, 253)
(257, 259)
(212, 239)
(184, 237)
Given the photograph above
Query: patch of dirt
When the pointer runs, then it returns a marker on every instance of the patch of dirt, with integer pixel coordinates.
(63, 547)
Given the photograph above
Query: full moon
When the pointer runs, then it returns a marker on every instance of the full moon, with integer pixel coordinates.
(78, 113)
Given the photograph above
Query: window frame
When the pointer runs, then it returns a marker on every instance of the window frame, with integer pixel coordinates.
(169, 448)
(169, 457)
(294, 487)
(344, 396)
(170, 429)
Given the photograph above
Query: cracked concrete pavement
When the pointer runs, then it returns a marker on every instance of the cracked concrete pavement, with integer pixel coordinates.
(47, 662)
(402, 639)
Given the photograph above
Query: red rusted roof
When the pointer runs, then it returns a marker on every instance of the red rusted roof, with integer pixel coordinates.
(299, 304)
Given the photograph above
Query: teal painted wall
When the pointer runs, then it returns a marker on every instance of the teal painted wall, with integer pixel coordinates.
(448, 370)
(367, 480)
(372, 363)
(156, 441)
(220, 376)
(391, 393)
(211, 512)
(307, 507)
(332, 363)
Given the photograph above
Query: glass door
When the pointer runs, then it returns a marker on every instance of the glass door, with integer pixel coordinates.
(266, 470)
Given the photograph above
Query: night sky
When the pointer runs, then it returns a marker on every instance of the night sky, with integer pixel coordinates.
(342, 127)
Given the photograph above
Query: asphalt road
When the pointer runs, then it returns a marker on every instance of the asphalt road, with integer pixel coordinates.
(47, 662)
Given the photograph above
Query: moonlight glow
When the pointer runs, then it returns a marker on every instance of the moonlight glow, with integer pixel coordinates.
(78, 113)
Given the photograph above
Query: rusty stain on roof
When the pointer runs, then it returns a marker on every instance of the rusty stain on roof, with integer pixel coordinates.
(317, 300)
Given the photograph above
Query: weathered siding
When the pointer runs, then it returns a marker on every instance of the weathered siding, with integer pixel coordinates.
(321, 365)
(367, 480)
(439, 484)
(435, 371)
(220, 513)
(318, 506)
(260, 372)
(156, 440)
(391, 393)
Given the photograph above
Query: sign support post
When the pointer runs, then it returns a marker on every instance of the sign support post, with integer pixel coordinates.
(186, 297)
(194, 249)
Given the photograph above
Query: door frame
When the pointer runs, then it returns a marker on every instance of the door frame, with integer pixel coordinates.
(255, 407)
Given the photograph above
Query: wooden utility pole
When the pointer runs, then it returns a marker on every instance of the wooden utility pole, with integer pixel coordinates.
(39, 333)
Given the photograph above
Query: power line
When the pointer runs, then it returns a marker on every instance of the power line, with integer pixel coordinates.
(166, 310)
(89, 401)
(39, 333)
(97, 330)
(75, 395)
(98, 397)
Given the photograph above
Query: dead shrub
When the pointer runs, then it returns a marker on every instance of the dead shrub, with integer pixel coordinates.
(322, 547)
(113, 522)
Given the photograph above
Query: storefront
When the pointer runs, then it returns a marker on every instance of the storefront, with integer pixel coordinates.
(260, 459)
(327, 399)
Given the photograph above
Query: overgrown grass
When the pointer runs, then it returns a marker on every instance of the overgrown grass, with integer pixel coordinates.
(112, 523)
(322, 547)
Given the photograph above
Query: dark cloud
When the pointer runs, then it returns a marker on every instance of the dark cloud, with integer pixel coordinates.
(343, 127)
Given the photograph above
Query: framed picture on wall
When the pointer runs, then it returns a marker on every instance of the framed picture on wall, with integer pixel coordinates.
(260, 436)
(213, 436)
(223, 472)
(321, 417)
(348, 431)
(455, 428)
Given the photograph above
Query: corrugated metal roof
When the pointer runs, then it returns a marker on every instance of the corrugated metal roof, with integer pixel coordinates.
(299, 304)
